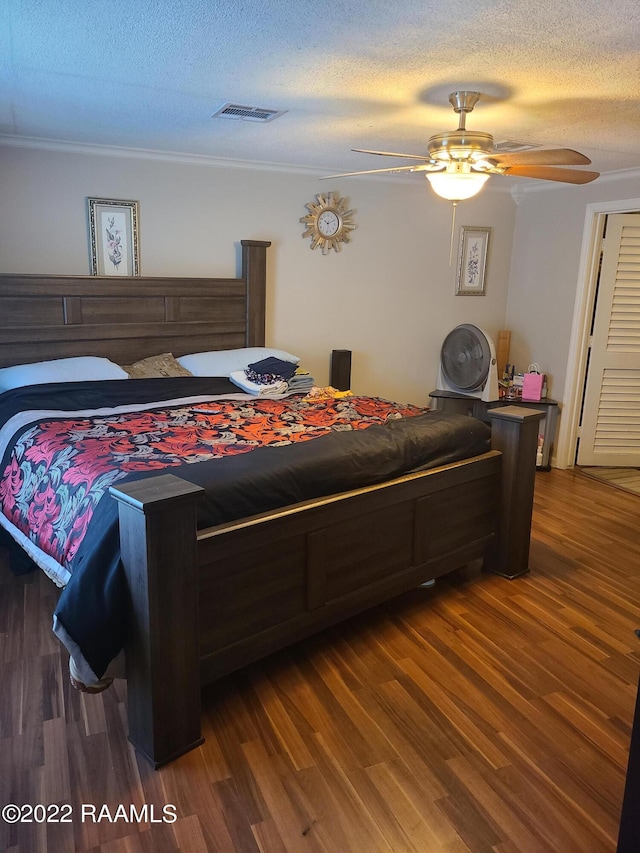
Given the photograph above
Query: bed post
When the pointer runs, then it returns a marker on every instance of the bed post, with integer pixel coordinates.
(254, 272)
(514, 432)
(158, 546)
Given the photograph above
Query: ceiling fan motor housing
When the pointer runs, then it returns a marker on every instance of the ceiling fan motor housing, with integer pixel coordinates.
(460, 145)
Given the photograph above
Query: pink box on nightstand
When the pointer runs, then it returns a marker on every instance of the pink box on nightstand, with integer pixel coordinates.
(532, 386)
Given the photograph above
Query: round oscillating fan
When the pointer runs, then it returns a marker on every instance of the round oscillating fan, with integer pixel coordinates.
(468, 363)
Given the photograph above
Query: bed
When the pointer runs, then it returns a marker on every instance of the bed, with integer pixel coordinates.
(205, 595)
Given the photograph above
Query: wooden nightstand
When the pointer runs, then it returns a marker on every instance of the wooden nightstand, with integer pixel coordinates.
(449, 401)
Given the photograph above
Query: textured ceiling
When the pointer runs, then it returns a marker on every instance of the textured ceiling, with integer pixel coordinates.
(365, 74)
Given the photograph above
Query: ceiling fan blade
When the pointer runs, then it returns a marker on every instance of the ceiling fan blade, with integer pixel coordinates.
(424, 168)
(392, 154)
(550, 157)
(552, 173)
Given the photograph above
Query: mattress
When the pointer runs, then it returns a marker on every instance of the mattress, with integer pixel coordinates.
(63, 446)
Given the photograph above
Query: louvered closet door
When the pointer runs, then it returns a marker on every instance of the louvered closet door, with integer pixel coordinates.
(610, 432)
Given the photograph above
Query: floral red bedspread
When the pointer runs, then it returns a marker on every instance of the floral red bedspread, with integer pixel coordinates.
(60, 467)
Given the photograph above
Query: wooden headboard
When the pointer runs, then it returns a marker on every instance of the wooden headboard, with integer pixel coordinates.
(126, 319)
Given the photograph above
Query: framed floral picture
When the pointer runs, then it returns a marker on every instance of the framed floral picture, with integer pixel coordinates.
(472, 261)
(113, 236)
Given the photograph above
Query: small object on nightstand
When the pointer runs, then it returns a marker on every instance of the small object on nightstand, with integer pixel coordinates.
(532, 386)
(340, 376)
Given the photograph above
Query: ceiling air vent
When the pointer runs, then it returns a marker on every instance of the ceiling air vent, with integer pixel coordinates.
(244, 113)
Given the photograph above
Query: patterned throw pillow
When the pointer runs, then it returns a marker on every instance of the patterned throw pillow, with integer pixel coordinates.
(156, 366)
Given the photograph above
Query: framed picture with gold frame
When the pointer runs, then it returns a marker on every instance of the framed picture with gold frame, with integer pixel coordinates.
(113, 236)
(472, 261)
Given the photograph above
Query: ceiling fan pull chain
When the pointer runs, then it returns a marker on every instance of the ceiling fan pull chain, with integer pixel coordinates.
(453, 225)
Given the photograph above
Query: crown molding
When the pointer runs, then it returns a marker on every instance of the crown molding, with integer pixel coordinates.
(518, 191)
(149, 154)
(65, 147)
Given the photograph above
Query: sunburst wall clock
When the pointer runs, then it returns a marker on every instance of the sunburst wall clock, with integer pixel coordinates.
(328, 222)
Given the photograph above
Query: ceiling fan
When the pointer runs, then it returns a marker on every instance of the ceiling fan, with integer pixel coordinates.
(459, 162)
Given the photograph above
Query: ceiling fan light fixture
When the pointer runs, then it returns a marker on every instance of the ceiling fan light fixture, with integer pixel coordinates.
(457, 182)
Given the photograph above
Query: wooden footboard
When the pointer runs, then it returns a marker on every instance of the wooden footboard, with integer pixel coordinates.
(205, 603)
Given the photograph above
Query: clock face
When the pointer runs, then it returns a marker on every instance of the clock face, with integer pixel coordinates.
(328, 223)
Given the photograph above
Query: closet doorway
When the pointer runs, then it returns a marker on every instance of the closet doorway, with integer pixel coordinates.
(609, 431)
(585, 313)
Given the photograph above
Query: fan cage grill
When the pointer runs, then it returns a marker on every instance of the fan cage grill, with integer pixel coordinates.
(466, 358)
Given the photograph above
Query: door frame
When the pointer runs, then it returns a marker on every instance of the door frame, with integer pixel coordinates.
(594, 221)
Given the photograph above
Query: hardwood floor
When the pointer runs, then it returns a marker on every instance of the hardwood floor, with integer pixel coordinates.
(481, 715)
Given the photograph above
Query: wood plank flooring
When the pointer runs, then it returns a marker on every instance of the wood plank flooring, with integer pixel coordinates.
(481, 715)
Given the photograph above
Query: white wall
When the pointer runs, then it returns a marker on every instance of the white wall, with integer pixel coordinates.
(389, 295)
(544, 279)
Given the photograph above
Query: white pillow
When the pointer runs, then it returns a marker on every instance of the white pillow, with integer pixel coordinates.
(60, 370)
(226, 361)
